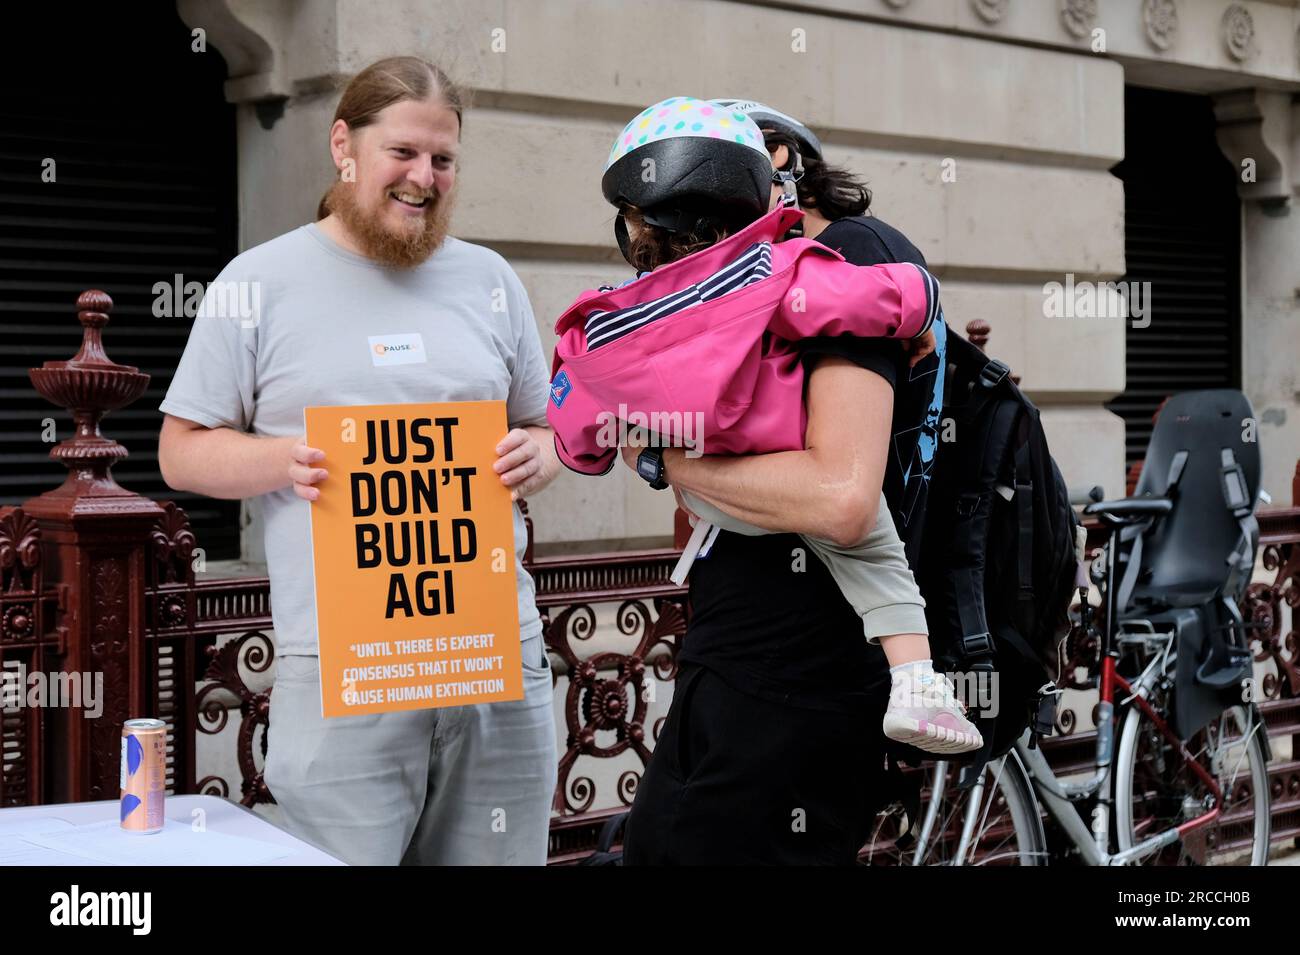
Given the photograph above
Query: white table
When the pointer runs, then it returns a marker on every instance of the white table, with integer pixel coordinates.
(220, 815)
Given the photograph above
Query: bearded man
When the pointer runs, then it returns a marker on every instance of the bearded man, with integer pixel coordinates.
(460, 785)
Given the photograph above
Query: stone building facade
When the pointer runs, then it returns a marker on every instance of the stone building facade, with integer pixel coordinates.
(987, 129)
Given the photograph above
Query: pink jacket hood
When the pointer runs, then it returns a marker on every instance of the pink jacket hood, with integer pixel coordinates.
(722, 377)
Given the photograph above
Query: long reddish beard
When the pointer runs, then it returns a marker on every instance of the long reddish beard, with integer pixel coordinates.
(401, 250)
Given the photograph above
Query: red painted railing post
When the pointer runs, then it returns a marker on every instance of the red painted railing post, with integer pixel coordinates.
(95, 536)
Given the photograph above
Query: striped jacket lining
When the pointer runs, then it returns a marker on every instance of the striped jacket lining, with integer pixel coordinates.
(753, 265)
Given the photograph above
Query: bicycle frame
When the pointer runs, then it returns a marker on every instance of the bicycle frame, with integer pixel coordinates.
(1058, 797)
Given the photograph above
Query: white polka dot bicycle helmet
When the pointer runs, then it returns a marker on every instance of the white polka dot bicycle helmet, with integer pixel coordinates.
(684, 159)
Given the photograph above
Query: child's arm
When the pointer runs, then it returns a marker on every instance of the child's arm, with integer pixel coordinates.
(828, 296)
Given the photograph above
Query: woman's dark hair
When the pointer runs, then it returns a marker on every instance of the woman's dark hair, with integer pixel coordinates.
(834, 192)
(650, 246)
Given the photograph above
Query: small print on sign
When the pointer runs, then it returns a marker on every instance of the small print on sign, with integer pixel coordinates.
(410, 612)
(397, 349)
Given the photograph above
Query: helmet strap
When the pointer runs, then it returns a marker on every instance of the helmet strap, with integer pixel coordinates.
(787, 178)
(673, 220)
(621, 236)
(789, 199)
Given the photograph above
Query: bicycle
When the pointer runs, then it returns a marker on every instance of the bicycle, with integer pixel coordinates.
(1161, 815)
(1166, 794)
(1163, 797)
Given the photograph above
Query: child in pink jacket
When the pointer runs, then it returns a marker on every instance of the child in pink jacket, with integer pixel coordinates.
(701, 352)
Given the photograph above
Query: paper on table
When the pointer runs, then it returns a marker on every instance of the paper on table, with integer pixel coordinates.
(176, 844)
(23, 827)
(16, 850)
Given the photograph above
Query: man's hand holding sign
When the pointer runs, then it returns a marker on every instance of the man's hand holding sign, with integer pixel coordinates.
(522, 464)
(413, 544)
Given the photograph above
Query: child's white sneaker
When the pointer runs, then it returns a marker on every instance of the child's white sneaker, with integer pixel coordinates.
(924, 712)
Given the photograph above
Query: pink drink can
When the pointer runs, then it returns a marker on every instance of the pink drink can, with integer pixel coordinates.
(144, 771)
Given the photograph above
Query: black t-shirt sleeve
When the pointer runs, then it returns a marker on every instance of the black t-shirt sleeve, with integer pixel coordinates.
(880, 355)
(860, 245)
(866, 240)
(855, 241)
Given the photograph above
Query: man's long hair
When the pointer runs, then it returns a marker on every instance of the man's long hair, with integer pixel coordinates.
(389, 81)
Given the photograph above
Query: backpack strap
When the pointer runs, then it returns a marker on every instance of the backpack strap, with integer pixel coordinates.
(981, 457)
(985, 382)
(974, 506)
(1024, 496)
(985, 385)
(970, 533)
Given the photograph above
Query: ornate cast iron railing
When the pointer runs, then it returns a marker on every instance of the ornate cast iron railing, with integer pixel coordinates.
(93, 577)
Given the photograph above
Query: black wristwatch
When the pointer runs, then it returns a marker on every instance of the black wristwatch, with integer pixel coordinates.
(650, 465)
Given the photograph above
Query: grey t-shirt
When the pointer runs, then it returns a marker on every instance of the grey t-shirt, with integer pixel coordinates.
(301, 329)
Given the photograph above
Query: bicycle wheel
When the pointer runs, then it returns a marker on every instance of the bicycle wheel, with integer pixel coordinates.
(1000, 818)
(1157, 790)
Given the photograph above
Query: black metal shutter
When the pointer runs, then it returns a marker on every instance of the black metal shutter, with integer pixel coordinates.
(1182, 234)
(144, 150)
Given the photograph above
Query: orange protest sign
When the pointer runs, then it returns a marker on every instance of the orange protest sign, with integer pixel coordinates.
(413, 544)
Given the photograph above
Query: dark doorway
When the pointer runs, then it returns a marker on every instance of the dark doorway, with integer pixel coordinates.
(1183, 235)
(143, 144)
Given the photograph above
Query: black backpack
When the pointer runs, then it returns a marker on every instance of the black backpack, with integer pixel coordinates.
(997, 563)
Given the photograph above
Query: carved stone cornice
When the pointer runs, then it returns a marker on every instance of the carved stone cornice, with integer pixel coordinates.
(250, 37)
(1255, 132)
